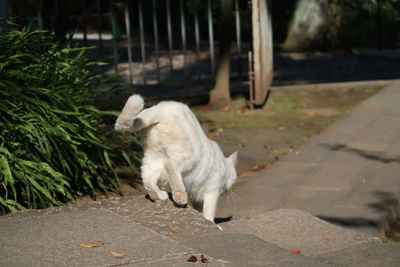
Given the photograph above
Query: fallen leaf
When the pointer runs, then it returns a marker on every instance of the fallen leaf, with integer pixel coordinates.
(116, 254)
(192, 259)
(309, 102)
(173, 229)
(370, 91)
(258, 168)
(203, 259)
(223, 261)
(261, 167)
(295, 251)
(92, 244)
(330, 238)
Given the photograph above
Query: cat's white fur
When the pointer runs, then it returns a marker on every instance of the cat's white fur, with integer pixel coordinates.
(177, 151)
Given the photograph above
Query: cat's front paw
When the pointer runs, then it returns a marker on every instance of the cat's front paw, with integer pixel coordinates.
(180, 197)
(162, 195)
(157, 196)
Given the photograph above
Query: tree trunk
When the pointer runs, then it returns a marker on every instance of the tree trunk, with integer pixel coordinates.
(308, 26)
(220, 95)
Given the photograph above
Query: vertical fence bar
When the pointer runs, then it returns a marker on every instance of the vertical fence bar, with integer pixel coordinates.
(83, 21)
(183, 33)
(40, 15)
(379, 24)
(211, 36)
(157, 48)
(142, 42)
(197, 37)
(128, 36)
(114, 33)
(99, 28)
(238, 39)
(251, 80)
(170, 48)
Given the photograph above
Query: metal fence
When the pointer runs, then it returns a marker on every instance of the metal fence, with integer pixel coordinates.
(148, 42)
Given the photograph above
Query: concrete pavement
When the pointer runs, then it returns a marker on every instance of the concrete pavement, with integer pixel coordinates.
(324, 207)
(349, 175)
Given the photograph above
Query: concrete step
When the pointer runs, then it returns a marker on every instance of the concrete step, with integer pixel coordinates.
(147, 233)
(160, 234)
(299, 230)
(238, 249)
(56, 240)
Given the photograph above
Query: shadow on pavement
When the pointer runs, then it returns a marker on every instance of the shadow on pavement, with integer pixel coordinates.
(371, 155)
(384, 203)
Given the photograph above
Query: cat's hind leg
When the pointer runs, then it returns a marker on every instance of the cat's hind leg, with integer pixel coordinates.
(210, 203)
(152, 169)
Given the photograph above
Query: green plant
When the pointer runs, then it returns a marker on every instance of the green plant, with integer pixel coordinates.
(54, 145)
(369, 23)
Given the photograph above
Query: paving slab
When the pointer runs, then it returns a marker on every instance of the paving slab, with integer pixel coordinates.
(162, 216)
(56, 240)
(365, 255)
(297, 229)
(238, 249)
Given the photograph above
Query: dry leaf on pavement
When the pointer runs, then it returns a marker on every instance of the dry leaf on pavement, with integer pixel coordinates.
(192, 259)
(116, 254)
(295, 251)
(92, 244)
(203, 259)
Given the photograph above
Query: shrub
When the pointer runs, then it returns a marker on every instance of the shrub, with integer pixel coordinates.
(52, 141)
(363, 24)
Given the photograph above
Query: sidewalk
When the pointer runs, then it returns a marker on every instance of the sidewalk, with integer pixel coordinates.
(349, 175)
(323, 207)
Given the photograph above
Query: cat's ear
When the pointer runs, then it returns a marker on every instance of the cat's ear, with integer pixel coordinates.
(233, 157)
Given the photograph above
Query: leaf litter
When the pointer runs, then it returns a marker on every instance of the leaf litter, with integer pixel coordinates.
(116, 254)
(92, 244)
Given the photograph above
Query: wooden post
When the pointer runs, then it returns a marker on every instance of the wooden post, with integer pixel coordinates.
(262, 50)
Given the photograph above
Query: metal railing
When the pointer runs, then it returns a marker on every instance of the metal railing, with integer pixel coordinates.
(149, 42)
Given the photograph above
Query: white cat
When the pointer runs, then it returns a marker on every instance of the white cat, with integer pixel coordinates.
(177, 151)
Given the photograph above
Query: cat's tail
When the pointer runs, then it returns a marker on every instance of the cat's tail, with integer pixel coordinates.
(131, 109)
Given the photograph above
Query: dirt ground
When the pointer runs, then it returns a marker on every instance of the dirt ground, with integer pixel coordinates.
(290, 118)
